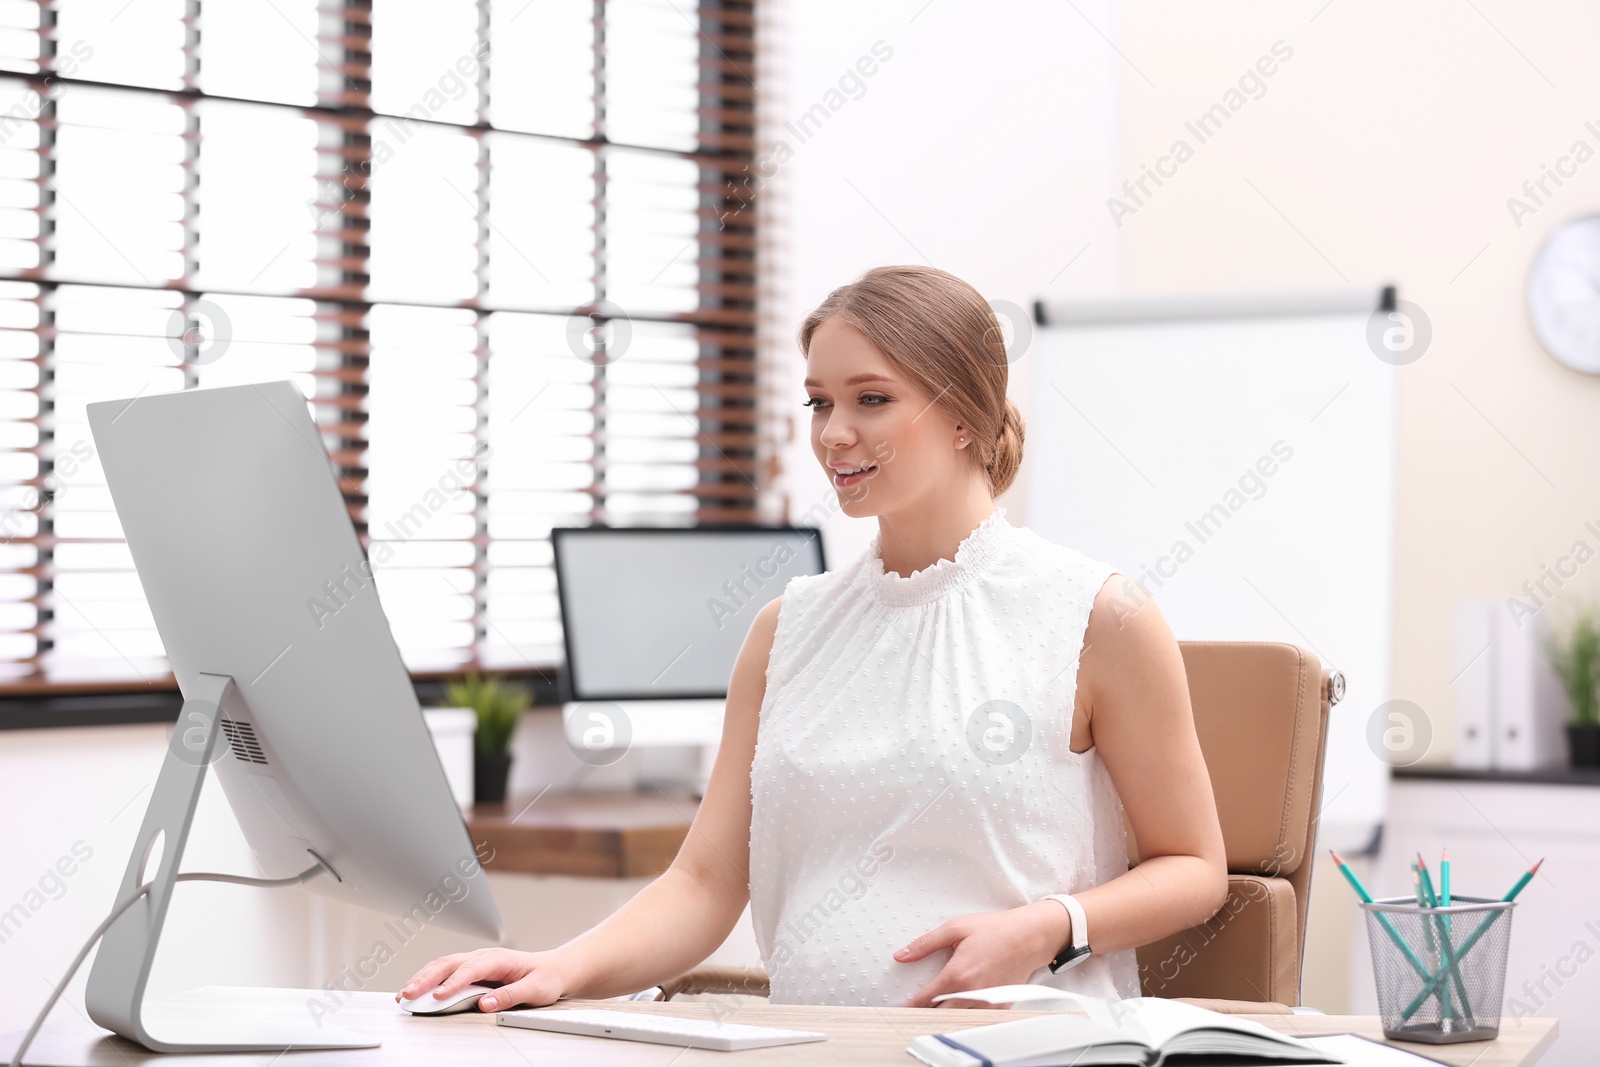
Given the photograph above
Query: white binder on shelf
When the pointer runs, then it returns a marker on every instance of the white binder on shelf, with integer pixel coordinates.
(1530, 706)
(1472, 683)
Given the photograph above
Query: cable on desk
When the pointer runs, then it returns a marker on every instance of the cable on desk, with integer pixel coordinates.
(306, 875)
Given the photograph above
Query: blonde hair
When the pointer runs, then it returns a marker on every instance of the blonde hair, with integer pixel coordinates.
(942, 334)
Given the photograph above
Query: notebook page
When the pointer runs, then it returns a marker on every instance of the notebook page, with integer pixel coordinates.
(1158, 1021)
(1046, 1038)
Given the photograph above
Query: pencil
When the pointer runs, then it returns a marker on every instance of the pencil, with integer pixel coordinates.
(1422, 902)
(1444, 884)
(1446, 946)
(1444, 898)
(1427, 927)
(1429, 923)
(1383, 919)
(1472, 939)
(1527, 876)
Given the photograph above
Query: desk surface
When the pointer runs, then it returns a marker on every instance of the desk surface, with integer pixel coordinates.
(594, 834)
(856, 1035)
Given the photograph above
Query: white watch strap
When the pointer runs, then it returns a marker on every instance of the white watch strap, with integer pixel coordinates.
(1080, 927)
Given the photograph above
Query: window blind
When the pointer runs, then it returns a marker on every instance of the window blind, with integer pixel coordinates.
(507, 250)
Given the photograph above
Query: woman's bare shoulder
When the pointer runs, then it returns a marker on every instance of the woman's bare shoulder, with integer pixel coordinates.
(1127, 637)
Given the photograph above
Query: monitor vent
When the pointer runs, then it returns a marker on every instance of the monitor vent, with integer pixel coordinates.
(242, 739)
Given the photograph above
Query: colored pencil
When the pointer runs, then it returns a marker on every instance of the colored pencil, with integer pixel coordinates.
(1446, 945)
(1444, 897)
(1472, 939)
(1444, 884)
(1383, 919)
(1527, 876)
(1427, 927)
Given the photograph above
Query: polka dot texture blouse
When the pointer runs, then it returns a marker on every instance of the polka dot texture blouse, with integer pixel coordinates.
(913, 763)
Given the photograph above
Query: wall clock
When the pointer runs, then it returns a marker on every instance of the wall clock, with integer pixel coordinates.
(1564, 294)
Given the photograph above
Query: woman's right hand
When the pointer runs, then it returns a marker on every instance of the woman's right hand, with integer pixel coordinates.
(526, 978)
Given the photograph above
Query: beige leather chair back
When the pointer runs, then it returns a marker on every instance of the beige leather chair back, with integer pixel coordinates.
(1261, 713)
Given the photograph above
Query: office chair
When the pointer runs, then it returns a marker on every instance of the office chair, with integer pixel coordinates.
(1261, 714)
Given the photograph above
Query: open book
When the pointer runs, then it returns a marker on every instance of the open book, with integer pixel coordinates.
(1086, 1030)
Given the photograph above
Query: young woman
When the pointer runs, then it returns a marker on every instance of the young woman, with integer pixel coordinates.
(924, 748)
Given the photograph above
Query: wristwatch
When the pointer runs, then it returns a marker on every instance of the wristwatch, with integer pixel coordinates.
(1078, 951)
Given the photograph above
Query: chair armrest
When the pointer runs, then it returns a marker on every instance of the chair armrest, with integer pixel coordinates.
(752, 981)
(1248, 951)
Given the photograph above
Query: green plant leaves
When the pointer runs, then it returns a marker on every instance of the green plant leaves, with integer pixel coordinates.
(1574, 652)
(499, 705)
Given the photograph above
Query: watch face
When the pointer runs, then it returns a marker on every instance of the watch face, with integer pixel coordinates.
(1070, 958)
(1564, 294)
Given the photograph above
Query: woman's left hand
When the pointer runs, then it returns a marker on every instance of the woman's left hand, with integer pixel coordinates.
(991, 948)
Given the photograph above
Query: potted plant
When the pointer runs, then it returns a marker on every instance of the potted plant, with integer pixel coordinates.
(1575, 654)
(499, 705)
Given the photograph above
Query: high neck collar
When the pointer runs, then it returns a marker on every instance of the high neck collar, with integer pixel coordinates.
(973, 554)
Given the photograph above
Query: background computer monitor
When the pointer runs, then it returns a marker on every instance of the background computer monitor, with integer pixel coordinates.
(252, 569)
(660, 613)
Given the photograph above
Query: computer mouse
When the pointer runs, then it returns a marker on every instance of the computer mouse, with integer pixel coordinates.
(465, 999)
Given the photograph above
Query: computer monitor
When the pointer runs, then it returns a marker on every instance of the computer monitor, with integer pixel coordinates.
(660, 613)
(269, 614)
(653, 619)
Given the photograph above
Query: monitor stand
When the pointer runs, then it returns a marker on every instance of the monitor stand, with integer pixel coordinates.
(115, 996)
(672, 742)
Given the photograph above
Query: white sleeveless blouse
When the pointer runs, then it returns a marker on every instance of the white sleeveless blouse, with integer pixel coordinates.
(913, 763)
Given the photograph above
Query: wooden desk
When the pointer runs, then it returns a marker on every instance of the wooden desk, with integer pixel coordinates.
(855, 1036)
(596, 834)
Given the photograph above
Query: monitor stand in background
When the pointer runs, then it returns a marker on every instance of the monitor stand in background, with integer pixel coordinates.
(673, 743)
(653, 620)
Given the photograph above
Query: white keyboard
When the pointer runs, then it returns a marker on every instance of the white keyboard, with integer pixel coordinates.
(659, 1029)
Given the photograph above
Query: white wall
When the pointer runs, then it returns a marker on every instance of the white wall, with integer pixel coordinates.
(979, 147)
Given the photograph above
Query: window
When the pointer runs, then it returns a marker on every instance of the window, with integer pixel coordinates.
(514, 234)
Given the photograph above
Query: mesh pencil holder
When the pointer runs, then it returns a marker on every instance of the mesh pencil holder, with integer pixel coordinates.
(1440, 972)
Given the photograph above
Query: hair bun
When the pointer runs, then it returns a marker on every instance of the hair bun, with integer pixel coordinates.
(1007, 456)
